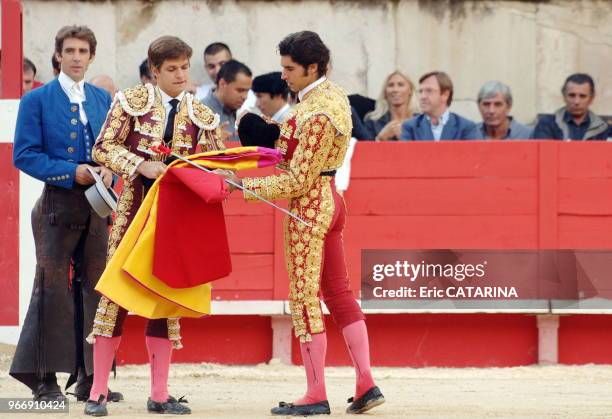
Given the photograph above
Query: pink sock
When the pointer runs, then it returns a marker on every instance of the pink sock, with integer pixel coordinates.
(313, 355)
(356, 338)
(160, 353)
(104, 350)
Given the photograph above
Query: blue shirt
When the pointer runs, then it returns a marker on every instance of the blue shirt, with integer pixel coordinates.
(437, 129)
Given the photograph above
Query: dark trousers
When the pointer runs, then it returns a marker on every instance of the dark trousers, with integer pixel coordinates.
(71, 243)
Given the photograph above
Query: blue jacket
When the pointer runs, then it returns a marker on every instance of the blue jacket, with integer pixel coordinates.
(45, 146)
(456, 128)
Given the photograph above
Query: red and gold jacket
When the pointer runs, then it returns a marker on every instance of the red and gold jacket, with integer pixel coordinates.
(314, 139)
(134, 124)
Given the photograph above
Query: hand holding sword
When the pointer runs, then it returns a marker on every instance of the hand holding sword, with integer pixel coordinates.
(230, 178)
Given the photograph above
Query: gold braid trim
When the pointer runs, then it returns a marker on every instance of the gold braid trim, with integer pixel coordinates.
(174, 333)
(326, 99)
(137, 101)
(200, 114)
(105, 320)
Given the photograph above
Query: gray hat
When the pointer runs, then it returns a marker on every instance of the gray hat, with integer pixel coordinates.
(103, 200)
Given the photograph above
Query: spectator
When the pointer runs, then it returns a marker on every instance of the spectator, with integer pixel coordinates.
(359, 131)
(271, 92)
(393, 108)
(29, 76)
(362, 104)
(574, 121)
(495, 103)
(105, 82)
(55, 65)
(233, 85)
(145, 73)
(437, 122)
(215, 55)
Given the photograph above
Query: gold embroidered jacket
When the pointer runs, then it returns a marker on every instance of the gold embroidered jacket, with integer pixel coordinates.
(135, 123)
(314, 139)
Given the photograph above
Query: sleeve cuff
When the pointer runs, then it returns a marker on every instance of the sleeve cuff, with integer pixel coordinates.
(250, 184)
(132, 174)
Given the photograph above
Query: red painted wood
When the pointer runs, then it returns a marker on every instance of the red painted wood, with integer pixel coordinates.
(219, 339)
(250, 234)
(445, 159)
(250, 272)
(578, 160)
(548, 172)
(478, 196)
(584, 232)
(11, 85)
(585, 339)
(9, 238)
(241, 295)
(585, 196)
(441, 340)
(281, 278)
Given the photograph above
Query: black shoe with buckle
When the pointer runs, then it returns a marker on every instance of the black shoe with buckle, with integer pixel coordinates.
(96, 408)
(290, 409)
(172, 406)
(372, 398)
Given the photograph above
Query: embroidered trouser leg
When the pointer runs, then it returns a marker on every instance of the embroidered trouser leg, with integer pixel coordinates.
(315, 261)
(110, 318)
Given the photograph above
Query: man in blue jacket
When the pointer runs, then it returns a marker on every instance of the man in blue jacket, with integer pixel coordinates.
(57, 125)
(437, 122)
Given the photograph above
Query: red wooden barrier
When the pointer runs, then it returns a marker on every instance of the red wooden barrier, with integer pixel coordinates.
(12, 52)
(477, 194)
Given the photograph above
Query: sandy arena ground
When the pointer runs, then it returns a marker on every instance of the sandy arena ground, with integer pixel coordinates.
(217, 391)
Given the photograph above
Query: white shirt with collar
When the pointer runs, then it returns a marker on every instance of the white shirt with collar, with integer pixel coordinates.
(311, 86)
(75, 90)
(281, 114)
(437, 129)
(166, 102)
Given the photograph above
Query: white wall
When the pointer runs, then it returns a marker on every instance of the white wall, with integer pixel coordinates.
(530, 45)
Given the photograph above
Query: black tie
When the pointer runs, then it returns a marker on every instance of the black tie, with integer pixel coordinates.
(170, 124)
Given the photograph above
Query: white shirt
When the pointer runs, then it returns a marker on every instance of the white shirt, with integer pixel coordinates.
(249, 105)
(167, 107)
(437, 129)
(202, 91)
(75, 90)
(343, 174)
(281, 114)
(311, 86)
(166, 102)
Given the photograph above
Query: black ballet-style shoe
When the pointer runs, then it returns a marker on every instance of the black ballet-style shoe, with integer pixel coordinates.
(172, 406)
(290, 409)
(96, 408)
(372, 398)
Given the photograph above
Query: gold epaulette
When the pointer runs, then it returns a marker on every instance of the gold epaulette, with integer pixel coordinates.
(329, 100)
(200, 114)
(137, 100)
